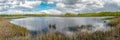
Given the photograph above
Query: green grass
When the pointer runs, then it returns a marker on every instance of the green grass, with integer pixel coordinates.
(101, 14)
(107, 18)
(98, 14)
(16, 15)
(113, 34)
(70, 14)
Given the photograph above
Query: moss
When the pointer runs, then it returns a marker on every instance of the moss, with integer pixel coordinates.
(108, 18)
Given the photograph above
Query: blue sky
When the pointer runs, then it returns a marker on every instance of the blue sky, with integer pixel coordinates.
(44, 6)
(41, 6)
(58, 6)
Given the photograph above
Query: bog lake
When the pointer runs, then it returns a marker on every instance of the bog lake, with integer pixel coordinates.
(65, 25)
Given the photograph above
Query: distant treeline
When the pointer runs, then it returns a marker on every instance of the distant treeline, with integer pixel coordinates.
(69, 14)
(95, 14)
(23, 15)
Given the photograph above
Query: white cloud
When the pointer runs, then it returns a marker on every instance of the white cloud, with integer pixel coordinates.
(11, 4)
(50, 2)
(51, 11)
(30, 4)
(60, 5)
(78, 6)
(63, 6)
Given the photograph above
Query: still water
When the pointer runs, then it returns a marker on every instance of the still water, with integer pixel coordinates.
(61, 23)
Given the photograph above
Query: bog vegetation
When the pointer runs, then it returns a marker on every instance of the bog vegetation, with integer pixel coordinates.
(16, 15)
(94, 14)
(113, 34)
(8, 30)
(98, 14)
(12, 32)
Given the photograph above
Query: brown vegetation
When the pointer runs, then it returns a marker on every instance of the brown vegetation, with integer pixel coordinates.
(113, 34)
(14, 32)
(8, 30)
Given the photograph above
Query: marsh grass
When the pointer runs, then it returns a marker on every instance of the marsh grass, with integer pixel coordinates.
(23, 15)
(113, 34)
(98, 14)
(8, 30)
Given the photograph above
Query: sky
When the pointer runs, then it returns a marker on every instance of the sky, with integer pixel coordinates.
(57, 6)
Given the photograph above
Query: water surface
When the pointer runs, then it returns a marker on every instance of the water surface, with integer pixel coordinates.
(62, 23)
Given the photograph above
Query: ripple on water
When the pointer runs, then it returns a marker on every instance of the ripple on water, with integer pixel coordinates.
(63, 24)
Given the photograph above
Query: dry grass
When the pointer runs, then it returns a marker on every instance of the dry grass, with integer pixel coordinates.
(113, 34)
(8, 30)
(12, 32)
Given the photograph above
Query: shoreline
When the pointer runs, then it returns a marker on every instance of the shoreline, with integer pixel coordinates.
(11, 31)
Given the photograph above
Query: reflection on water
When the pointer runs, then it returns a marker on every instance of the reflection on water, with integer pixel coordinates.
(62, 24)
